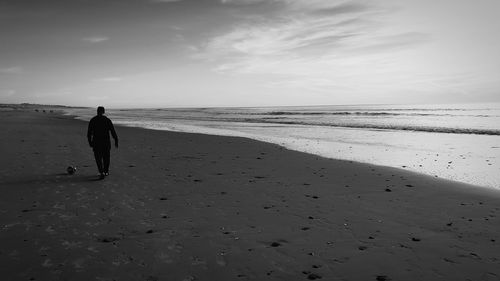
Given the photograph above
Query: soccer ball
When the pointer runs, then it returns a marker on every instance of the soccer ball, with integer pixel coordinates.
(71, 170)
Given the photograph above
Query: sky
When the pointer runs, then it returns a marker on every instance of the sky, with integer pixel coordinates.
(204, 53)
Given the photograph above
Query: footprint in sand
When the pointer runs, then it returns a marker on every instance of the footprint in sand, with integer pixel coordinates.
(220, 260)
(198, 261)
(50, 229)
(79, 263)
(71, 244)
(47, 263)
(275, 244)
(108, 239)
(311, 276)
(92, 249)
(164, 258)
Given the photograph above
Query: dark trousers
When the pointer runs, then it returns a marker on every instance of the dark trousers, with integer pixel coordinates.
(102, 159)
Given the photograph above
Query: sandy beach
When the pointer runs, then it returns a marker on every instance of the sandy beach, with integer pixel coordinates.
(180, 206)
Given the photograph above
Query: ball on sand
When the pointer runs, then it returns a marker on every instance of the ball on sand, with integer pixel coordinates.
(71, 170)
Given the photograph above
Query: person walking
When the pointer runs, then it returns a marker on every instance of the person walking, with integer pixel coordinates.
(98, 136)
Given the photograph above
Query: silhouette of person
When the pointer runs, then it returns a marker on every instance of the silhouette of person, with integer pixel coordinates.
(98, 136)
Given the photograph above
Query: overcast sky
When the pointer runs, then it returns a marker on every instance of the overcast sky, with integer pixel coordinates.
(161, 53)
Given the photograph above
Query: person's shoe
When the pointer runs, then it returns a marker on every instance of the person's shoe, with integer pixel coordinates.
(101, 176)
(106, 174)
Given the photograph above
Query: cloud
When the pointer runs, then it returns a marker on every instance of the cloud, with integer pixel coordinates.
(315, 44)
(322, 47)
(11, 70)
(312, 28)
(95, 39)
(304, 5)
(343, 8)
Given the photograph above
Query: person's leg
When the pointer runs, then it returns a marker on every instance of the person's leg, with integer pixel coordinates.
(98, 160)
(106, 156)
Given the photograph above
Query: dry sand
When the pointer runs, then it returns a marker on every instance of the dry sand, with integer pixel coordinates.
(196, 207)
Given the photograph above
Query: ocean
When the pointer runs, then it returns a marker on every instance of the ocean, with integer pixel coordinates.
(459, 142)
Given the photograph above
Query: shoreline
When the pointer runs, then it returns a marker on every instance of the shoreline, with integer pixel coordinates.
(402, 168)
(465, 158)
(187, 206)
(281, 146)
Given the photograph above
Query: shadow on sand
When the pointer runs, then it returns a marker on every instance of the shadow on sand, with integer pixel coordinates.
(60, 178)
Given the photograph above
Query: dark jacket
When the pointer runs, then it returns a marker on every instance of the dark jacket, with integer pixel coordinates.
(98, 132)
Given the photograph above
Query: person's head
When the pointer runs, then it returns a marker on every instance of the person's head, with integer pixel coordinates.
(100, 110)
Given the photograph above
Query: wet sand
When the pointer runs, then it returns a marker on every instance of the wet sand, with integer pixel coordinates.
(180, 206)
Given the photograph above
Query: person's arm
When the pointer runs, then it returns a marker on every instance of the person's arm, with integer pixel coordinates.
(89, 133)
(113, 133)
